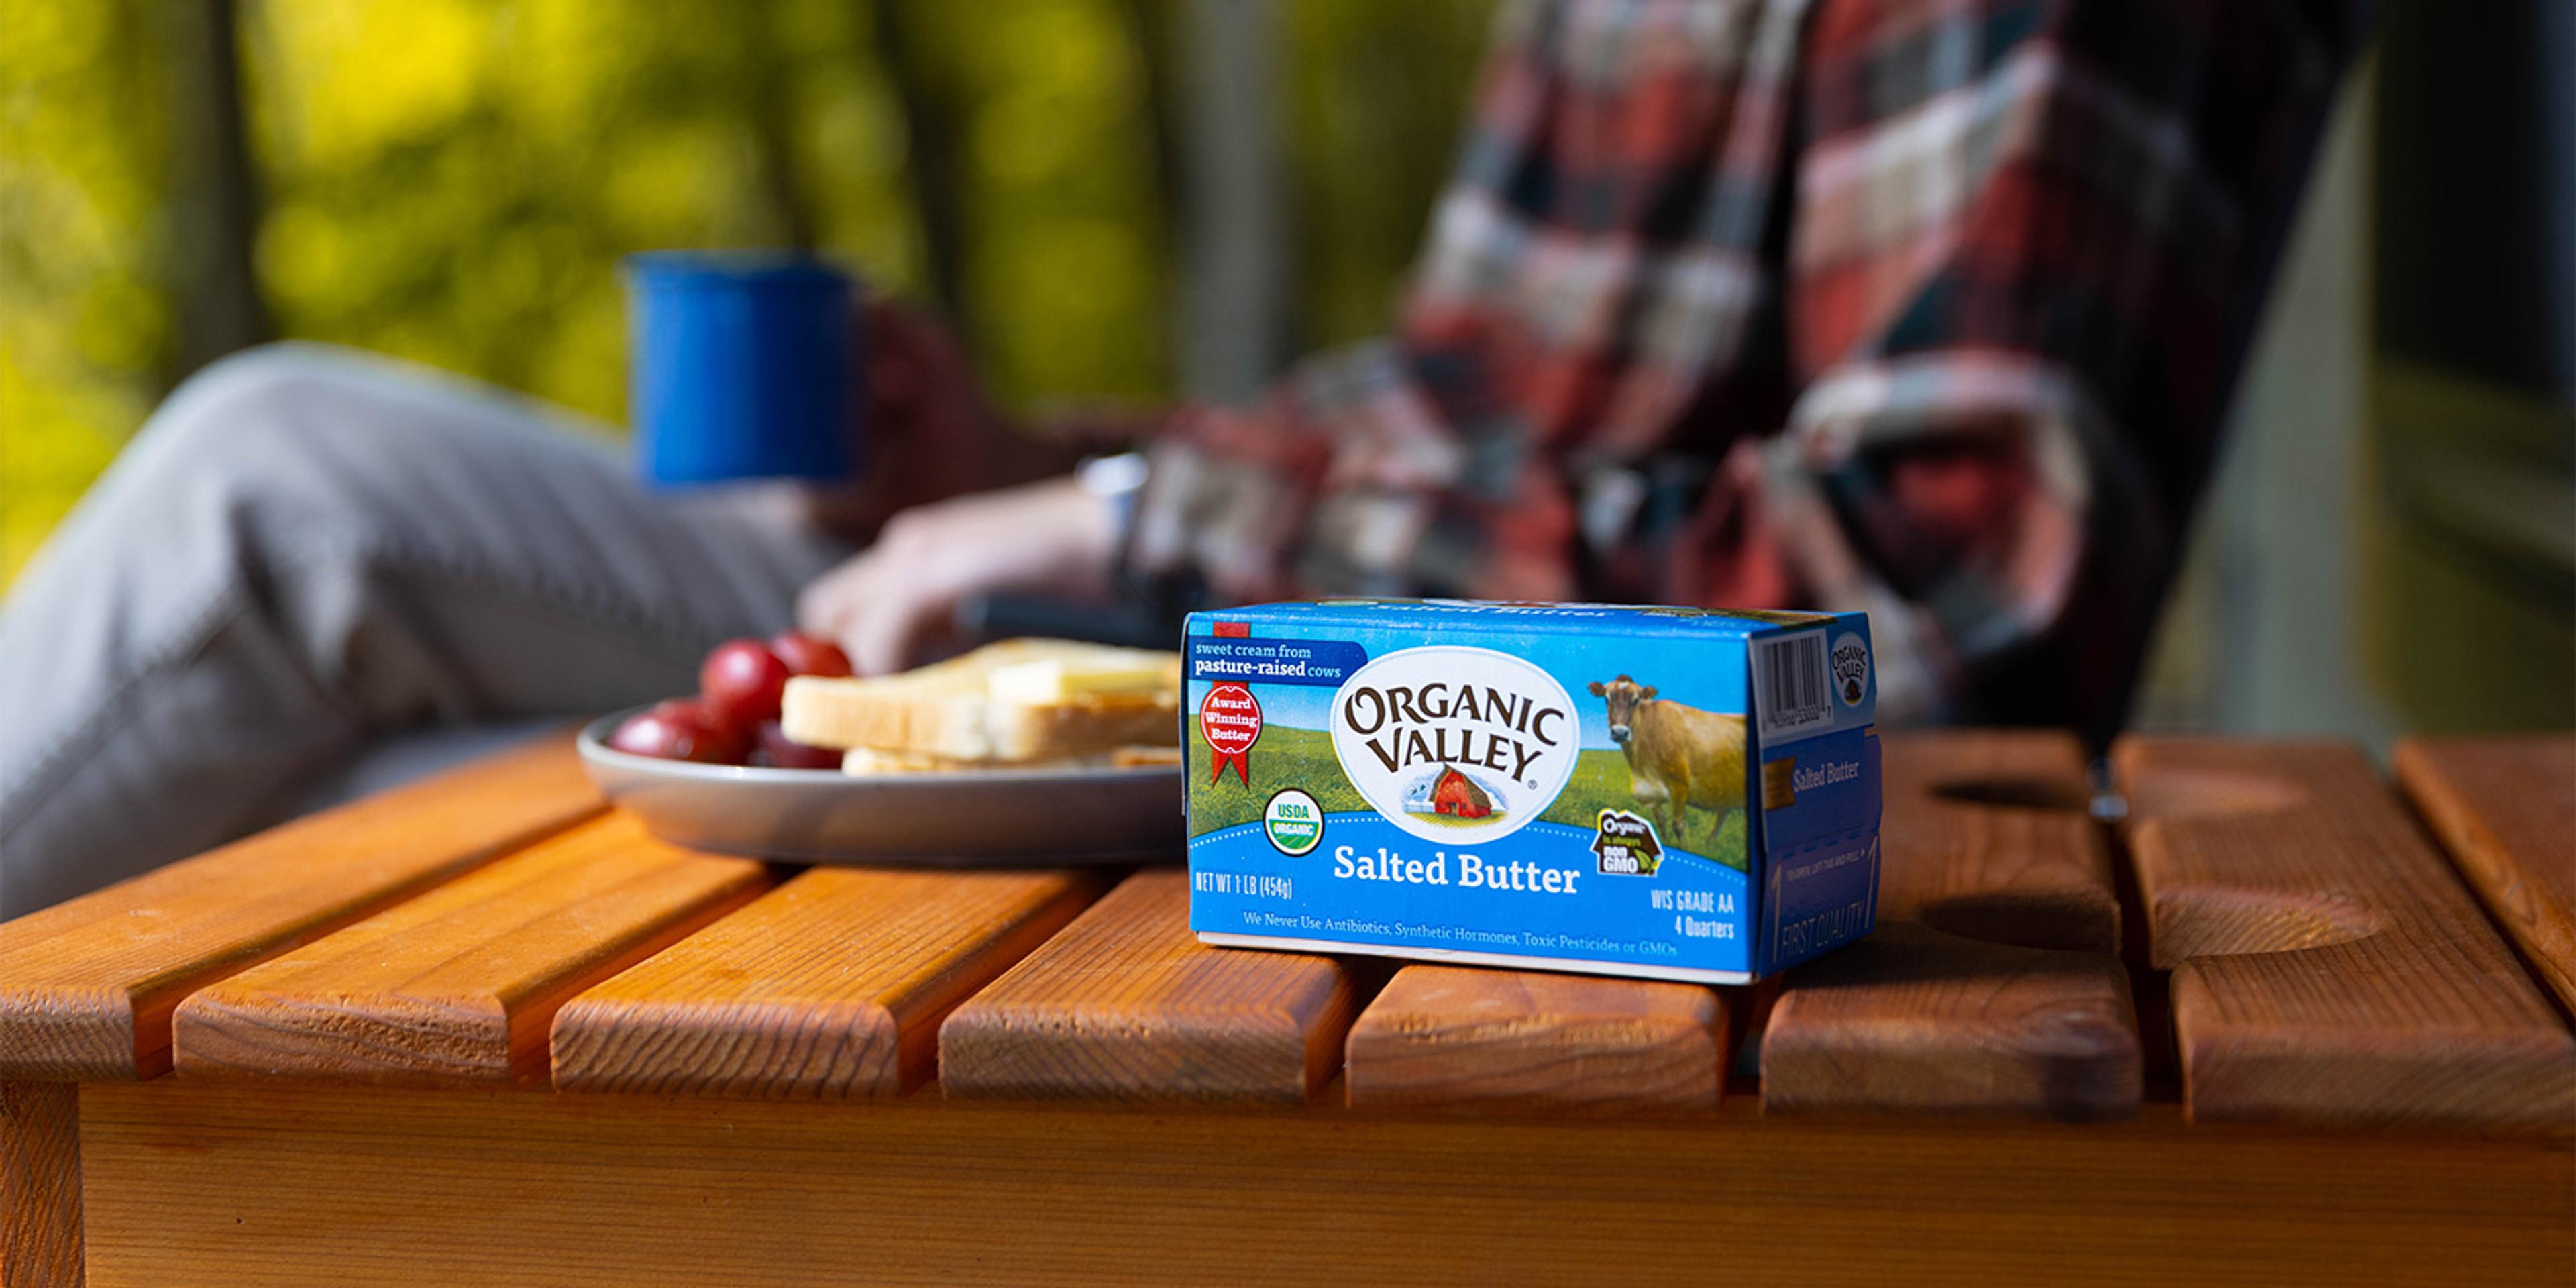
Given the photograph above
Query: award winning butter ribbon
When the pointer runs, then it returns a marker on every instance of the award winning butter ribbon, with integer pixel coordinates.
(1230, 720)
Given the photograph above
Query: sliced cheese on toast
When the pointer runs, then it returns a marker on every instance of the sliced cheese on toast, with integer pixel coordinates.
(1013, 702)
(868, 762)
(1061, 679)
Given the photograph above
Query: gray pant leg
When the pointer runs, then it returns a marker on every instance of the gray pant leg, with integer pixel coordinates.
(307, 549)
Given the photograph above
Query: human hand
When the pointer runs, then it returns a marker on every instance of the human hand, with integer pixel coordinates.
(897, 600)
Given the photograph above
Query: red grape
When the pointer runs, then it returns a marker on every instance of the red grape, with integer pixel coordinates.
(809, 654)
(740, 682)
(679, 729)
(777, 751)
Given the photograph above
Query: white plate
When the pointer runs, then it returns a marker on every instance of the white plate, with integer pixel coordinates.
(988, 817)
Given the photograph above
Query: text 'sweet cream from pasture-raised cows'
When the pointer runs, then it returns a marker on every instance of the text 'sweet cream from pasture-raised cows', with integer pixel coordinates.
(1667, 792)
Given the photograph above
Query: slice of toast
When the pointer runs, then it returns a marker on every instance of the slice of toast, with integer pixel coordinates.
(867, 762)
(1016, 701)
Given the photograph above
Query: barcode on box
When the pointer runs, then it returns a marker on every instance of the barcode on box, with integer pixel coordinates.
(1790, 686)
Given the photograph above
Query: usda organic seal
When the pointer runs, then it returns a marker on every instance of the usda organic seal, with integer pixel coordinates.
(1293, 822)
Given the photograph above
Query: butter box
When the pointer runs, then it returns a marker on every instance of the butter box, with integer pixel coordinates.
(1672, 793)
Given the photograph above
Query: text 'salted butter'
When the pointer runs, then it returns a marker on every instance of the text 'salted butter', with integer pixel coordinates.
(1673, 793)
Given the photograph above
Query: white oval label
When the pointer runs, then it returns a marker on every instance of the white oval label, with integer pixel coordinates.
(1851, 668)
(1456, 744)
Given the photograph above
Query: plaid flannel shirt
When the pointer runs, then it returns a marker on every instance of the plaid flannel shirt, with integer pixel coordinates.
(1930, 309)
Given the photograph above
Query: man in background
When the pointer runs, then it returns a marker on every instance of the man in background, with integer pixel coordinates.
(1929, 309)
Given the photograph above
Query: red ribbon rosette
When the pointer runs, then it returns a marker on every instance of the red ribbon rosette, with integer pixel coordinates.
(1230, 721)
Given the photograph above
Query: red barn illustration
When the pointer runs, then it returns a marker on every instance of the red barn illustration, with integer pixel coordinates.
(1457, 795)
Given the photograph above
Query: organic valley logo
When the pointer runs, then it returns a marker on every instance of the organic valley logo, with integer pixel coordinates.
(1455, 744)
(1851, 668)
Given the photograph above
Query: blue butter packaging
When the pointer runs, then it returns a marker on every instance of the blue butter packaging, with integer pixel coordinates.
(1672, 793)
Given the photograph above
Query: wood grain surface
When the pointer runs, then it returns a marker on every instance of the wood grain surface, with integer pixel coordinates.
(2327, 964)
(1453, 1037)
(459, 985)
(1993, 984)
(40, 1183)
(2505, 807)
(832, 985)
(1989, 835)
(87, 986)
(202, 1183)
(1125, 1005)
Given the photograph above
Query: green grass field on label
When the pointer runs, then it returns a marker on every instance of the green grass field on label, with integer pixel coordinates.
(1303, 758)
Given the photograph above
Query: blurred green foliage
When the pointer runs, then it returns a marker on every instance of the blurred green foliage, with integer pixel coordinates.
(85, 321)
(452, 181)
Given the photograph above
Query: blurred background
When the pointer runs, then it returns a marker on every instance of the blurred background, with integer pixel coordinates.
(1127, 199)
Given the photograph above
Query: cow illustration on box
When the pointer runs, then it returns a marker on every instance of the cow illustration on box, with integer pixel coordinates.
(1678, 756)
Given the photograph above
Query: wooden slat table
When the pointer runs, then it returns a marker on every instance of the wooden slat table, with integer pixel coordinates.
(2327, 963)
(475, 1033)
(1994, 983)
(2503, 807)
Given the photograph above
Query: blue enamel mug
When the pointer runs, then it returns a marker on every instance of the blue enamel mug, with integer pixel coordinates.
(741, 365)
